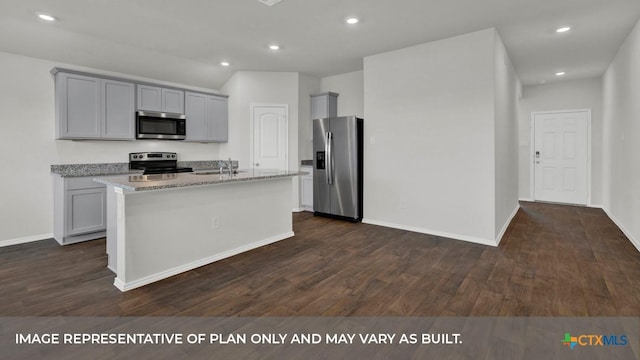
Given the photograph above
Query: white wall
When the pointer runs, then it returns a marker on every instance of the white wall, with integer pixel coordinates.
(621, 137)
(565, 95)
(27, 132)
(308, 85)
(507, 88)
(256, 87)
(350, 87)
(429, 138)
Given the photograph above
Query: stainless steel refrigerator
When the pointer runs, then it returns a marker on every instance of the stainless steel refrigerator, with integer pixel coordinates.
(337, 167)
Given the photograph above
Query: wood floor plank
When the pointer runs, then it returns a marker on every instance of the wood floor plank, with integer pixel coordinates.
(553, 261)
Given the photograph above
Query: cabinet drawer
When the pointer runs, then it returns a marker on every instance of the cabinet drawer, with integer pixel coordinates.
(85, 182)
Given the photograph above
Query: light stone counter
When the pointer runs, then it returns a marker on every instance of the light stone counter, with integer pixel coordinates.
(104, 169)
(208, 177)
(76, 170)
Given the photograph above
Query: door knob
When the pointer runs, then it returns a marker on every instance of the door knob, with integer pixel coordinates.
(257, 164)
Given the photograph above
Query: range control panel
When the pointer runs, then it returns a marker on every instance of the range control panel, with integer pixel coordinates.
(152, 156)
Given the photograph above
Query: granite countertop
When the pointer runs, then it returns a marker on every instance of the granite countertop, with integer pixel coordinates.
(74, 170)
(139, 182)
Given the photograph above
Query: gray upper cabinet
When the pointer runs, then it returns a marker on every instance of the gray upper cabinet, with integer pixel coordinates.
(94, 108)
(217, 113)
(118, 110)
(149, 98)
(173, 101)
(155, 98)
(324, 105)
(77, 107)
(196, 112)
(207, 117)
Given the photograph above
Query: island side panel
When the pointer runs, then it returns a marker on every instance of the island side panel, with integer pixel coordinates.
(166, 232)
(112, 228)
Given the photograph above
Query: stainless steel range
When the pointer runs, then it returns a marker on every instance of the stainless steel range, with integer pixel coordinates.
(156, 163)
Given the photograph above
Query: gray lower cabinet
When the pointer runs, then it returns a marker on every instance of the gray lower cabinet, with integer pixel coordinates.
(306, 188)
(80, 209)
(207, 117)
(94, 108)
(155, 98)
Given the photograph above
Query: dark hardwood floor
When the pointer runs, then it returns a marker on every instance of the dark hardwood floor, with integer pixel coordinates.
(553, 261)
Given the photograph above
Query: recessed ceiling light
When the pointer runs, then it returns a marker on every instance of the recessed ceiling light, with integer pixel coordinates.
(563, 29)
(46, 17)
(352, 20)
(274, 47)
(270, 2)
(560, 73)
(224, 63)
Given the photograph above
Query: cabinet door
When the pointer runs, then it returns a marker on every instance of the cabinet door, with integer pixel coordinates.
(196, 112)
(218, 119)
(78, 103)
(318, 107)
(307, 192)
(149, 98)
(118, 120)
(324, 105)
(173, 101)
(85, 211)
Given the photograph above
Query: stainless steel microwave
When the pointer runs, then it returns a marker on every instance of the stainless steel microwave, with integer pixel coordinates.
(158, 125)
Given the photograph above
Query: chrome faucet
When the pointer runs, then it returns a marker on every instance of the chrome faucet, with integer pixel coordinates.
(230, 167)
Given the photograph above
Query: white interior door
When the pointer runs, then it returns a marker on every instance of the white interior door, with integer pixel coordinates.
(270, 129)
(561, 157)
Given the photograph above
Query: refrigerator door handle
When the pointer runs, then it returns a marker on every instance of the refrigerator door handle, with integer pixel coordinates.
(329, 159)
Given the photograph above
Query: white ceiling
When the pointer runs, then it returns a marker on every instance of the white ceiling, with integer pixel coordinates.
(184, 40)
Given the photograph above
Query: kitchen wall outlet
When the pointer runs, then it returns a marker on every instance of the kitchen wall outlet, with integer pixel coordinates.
(372, 140)
(215, 222)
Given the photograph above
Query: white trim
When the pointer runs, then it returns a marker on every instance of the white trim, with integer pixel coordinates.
(252, 106)
(532, 156)
(26, 239)
(626, 232)
(532, 179)
(126, 286)
(467, 238)
(506, 225)
(297, 210)
(526, 199)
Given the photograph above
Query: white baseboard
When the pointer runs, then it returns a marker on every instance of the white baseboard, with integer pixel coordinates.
(297, 210)
(596, 206)
(624, 230)
(467, 238)
(24, 240)
(126, 286)
(506, 225)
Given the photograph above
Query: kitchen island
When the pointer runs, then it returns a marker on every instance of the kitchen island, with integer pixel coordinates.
(162, 225)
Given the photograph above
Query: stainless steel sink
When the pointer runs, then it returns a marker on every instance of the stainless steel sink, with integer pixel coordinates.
(217, 172)
(213, 172)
